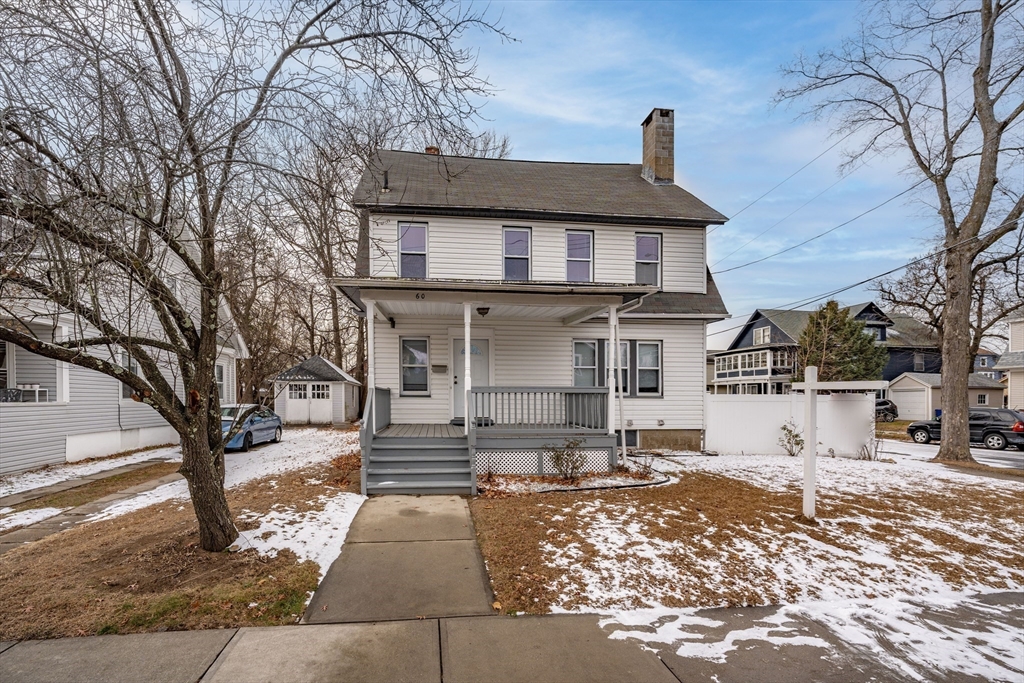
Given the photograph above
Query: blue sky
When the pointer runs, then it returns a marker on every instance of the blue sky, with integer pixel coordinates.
(584, 75)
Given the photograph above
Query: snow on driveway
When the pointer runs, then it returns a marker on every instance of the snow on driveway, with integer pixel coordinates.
(16, 483)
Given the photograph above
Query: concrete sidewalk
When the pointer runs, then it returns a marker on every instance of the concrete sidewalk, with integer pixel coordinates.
(405, 557)
(568, 649)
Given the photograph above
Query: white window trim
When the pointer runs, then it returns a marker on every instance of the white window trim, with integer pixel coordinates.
(593, 238)
(425, 252)
(609, 361)
(983, 362)
(765, 334)
(402, 366)
(323, 387)
(529, 251)
(595, 366)
(126, 362)
(11, 381)
(222, 383)
(660, 368)
(982, 399)
(305, 390)
(637, 261)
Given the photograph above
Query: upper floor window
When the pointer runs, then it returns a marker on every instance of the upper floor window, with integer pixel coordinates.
(762, 335)
(516, 250)
(219, 374)
(648, 259)
(983, 361)
(918, 362)
(579, 256)
(412, 250)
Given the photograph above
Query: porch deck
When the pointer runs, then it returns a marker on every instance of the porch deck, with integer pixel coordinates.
(422, 431)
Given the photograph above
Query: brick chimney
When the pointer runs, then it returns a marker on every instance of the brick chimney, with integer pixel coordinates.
(659, 147)
(431, 149)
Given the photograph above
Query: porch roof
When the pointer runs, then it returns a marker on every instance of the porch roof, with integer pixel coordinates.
(572, 302)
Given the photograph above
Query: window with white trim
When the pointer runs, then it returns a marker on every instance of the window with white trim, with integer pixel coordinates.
(648, 368)
(412, 250)
(982, 399)
(579, 256)
(762, 335)
(4, 364)
(983, 361)
(415, 358)
(648, 259)
(130, 364)
(219, 374)
(516, 253)
(297, 392)
(624, 351)
(584, 364)
(319, 391)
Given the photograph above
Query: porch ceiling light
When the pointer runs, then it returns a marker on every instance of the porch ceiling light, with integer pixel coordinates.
(483, 310)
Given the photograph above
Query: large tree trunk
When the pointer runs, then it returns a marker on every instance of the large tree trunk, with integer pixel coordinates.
(206, 484)
(956, 357)
(339, 351)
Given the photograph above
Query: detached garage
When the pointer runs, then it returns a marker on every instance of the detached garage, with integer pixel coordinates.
(316, 391)
(918, 395)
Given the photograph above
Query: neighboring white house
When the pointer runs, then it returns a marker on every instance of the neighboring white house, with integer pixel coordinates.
(316, 391)
(919, 394)
(1011, 364)
(53, 412)
(539, 265)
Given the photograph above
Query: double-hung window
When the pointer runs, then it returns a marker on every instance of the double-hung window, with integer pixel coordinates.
(412, 250)
(415, 366)
(762, 335)
(516, 250)
(648, 364)
(584, 364)
(129, 364)
(648, 259)
(579, 256)
(219, 375)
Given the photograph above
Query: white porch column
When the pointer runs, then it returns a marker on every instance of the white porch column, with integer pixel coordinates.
(610, 379)
(810, 437)
(467, 372)
(371, 375)
(618, 374)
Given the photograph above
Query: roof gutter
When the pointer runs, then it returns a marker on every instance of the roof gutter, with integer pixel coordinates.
(539, 215)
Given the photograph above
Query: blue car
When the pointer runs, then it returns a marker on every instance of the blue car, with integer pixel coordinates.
(260, 426)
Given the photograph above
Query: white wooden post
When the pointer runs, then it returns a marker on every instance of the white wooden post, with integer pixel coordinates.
(810, 437)
(371, 312)
(609, 382)
(467, 349)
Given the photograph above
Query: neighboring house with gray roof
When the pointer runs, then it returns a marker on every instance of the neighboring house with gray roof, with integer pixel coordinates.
(316, 391)
(985, 364)
(1011, 364)
(762, 357)
(539, 265)
(918, 395)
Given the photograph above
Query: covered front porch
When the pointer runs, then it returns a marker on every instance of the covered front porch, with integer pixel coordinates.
(538, 373)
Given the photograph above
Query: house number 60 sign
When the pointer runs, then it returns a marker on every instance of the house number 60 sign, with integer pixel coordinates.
(421, 295)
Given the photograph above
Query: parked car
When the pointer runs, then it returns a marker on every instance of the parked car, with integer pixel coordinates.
(996, 428)
(886, 410)
(261, 425)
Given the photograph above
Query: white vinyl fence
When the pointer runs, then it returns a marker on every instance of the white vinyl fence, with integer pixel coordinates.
(737, 423)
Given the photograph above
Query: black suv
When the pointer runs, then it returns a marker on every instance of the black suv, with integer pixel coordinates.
(996, 428)
(886, 410)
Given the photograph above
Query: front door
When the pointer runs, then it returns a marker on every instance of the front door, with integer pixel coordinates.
(480, 364)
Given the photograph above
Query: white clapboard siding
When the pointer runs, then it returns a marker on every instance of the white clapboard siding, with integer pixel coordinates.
(471, 248)
(1016, 336)
(539, 353)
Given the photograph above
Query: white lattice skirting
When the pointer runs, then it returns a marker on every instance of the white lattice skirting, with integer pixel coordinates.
(534, 462)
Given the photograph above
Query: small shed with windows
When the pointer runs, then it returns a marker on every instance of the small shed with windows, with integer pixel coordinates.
(918, 395)
(316, 391)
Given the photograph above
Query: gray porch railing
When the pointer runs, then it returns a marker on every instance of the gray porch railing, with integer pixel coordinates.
(517, 411)
(376, 416)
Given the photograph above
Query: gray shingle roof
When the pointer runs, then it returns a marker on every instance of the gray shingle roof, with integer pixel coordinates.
(685, 302)
(1011, 360)
(934, 379)
(904, 331)
(508, 188)
(315, 369)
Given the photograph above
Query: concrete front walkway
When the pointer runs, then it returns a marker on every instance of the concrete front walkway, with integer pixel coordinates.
(405, 557)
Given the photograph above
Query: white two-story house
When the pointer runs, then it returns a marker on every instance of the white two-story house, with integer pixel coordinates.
(542, 266)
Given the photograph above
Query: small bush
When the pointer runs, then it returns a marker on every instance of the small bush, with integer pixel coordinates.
(568, 459)
(792, 441)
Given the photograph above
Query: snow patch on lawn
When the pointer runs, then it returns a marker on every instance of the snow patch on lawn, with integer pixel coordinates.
(25, 481)
(954, 633)
(315, 535)
(300, 448)
(26, 517)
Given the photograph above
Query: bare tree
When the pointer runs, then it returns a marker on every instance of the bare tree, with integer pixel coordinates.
(941, 83)
(126, 129)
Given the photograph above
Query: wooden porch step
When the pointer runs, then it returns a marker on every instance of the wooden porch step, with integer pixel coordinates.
(418, 470)
(455, 487)
(377, 446)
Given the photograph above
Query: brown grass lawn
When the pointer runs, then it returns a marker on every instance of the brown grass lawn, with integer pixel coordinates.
(896, 430)
(143, 571)
(700, 532)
